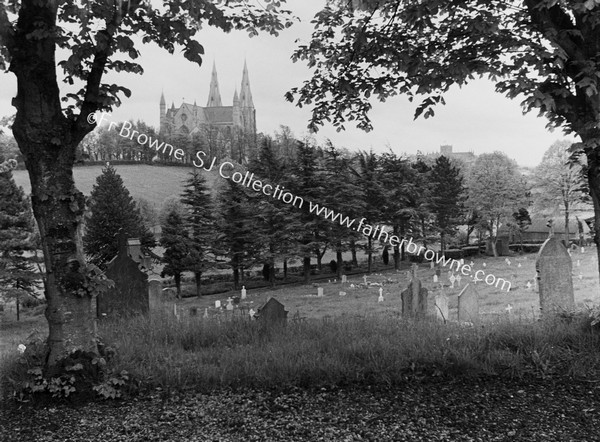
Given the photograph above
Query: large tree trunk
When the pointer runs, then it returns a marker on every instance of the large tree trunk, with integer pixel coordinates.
(593, 160)
(48, 141)
(567, 236)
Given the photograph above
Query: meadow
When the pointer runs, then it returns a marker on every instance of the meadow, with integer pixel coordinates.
(152, 183)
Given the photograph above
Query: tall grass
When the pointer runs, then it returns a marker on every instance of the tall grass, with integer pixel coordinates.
(207, 353)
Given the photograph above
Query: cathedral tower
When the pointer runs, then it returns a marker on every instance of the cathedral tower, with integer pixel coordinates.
(214, 96)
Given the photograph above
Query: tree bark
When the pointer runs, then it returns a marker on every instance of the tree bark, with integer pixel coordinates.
(48, 142)
(593, 160)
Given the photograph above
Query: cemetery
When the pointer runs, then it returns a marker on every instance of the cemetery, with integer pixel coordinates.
(299, 254)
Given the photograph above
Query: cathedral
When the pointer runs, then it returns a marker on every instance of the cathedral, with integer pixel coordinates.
(220, 131)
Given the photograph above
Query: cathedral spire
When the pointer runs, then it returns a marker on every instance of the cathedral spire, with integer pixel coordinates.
(246, 94)
(214, 96)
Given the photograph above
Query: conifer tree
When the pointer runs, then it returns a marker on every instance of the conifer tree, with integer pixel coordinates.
(448, 197)
(200, 225)
(308, 183)
(17, 241)
(112, 209)
(237, 226)
(345, 197)
(278, 221)
(175, 240)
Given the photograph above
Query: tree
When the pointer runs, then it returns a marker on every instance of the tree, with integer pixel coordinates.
(495, 189)
(522, 220)
(237, 226)
(112, 211)
(544, 51)
(97, 38)
(174, 238)
(558, 183)
(278, 222)
(200, 225)
(448, 197)
(18, 277)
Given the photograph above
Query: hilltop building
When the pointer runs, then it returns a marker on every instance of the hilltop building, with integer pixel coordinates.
(220, 131)
(466, 157)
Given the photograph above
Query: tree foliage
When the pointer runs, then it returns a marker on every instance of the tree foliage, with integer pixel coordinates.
(175, 240)
(112, 211)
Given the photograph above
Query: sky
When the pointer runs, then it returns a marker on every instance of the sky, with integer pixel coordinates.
(475, 117)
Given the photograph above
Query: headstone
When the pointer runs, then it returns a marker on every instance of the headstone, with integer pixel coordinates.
(154, 294)
(578, 263)
(580, 276)
(130, 294)
(441, 306)
(344, 279)
(380, 299)
(229, 305)
(342, 293)
(364, 279)
(519, 265)
(251, 313)
(414, 299)
(554, 267)
(217, 304)
(468, 304)
(583, 250)
(320, 291)
(272, 313)
(452, 280)
(484, 264)
(435, 278)
(458, 278)
(206, 312)
(431, 264)
(243, 292)
(529, 285)
(509, 309)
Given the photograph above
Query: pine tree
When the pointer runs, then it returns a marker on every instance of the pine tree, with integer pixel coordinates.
(448, 197)
(112, 210)
(237, 226)
(278, 221)
(17, 241)
(174, 238)
(345, 197)
(200, 224)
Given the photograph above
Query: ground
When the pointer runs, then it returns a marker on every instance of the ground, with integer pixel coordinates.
(426, 410)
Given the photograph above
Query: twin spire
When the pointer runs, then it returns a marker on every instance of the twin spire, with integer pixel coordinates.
(245, 97)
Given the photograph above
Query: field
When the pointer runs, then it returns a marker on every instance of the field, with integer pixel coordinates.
(153, 183)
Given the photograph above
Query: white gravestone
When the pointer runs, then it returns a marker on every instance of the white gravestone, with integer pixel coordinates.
(441, 306)
(217, 304)
(229, 305)
(243, 292)
(320, 291)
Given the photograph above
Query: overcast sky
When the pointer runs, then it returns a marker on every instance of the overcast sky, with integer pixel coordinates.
(475, 118)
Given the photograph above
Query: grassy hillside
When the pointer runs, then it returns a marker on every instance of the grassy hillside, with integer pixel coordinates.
(153, 183)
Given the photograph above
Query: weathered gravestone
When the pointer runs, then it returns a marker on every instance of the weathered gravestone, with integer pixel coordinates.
(130, 292)
(468, 304)
(554, 276)
(154, 294)
(272, 313)
(414, 298)
(441, 306)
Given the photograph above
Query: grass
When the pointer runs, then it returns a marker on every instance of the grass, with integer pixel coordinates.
(205, 354)
(346, 339)
(166, 181)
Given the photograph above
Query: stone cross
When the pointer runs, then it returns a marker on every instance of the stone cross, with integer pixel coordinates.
(528, 285)
(380, 299)
(554, 268)
(468, 304)
(229, 305)
(365, 279)
(243, 292)
(458, 278)
(452, 280)
(509, 309)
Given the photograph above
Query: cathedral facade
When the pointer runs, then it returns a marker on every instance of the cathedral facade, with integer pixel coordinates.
(220, 131)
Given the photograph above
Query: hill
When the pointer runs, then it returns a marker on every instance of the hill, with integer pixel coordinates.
(153, 183)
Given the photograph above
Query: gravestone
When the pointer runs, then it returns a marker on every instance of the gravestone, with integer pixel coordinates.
(154, 294)
(441, 306)
(217, 304)
(229, 305)
(468, 304)
(344, 279)
(380, 299)
(320, 291)
(243, 292)
(130, 293)
(272, 313)
(554, 272)
(414, 298)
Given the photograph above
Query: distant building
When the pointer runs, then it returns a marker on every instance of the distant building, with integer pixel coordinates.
(224, 131)
(466, 157)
